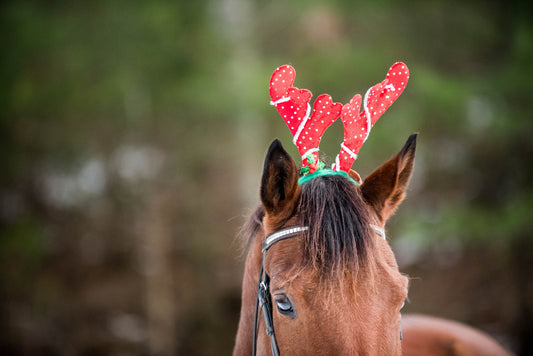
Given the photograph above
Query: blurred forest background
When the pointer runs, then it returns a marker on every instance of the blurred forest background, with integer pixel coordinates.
(132, 139)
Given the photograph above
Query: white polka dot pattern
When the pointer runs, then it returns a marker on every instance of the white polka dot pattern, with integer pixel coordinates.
(292, 104)
(308, 127)
(377, 100)
(294, 109)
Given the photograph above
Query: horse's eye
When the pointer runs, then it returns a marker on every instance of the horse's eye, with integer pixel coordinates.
(284, 305)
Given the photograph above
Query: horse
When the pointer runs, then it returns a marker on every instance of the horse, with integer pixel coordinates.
(321, 272)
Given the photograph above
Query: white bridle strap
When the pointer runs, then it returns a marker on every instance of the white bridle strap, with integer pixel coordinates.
(296, 230)
(379, 230)
(282, 235)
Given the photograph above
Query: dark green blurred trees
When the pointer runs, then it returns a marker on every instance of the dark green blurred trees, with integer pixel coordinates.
(133, 124)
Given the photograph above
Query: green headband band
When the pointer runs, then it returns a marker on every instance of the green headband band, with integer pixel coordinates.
(326, 172)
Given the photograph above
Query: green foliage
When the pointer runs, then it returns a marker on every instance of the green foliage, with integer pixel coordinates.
(22, 249)
(188, 80)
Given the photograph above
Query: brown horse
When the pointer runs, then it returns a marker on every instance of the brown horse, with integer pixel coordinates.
(331, 284)
(425, 335)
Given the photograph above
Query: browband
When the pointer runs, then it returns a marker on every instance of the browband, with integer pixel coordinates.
(282, 235)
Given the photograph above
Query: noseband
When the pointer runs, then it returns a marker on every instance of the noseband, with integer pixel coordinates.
(263, 289)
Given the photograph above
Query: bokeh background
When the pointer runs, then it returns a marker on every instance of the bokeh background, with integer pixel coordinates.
(132, 139)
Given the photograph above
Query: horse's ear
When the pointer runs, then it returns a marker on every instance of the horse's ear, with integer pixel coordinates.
(355, 176)
(384, 189)
(279, 184)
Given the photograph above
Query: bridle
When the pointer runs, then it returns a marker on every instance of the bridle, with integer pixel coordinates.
(263, 288)
(263, 298)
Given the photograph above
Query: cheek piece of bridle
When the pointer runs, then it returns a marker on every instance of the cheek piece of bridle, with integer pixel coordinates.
(263, 289)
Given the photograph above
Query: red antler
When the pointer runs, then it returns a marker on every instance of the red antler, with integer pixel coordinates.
(293, 105)
(357, 126)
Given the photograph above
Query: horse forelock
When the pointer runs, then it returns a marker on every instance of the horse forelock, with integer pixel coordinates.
(339, 223)
(339, 235)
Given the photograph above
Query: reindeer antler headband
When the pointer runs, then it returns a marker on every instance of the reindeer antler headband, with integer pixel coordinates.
(307, 127)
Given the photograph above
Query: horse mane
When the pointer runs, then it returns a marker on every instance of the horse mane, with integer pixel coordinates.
(339, 226)
(251, 227)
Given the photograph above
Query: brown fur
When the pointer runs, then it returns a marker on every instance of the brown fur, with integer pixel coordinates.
(385, 188)
(424, 335)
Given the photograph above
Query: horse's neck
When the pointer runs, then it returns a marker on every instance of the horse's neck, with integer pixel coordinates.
(244, 338)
